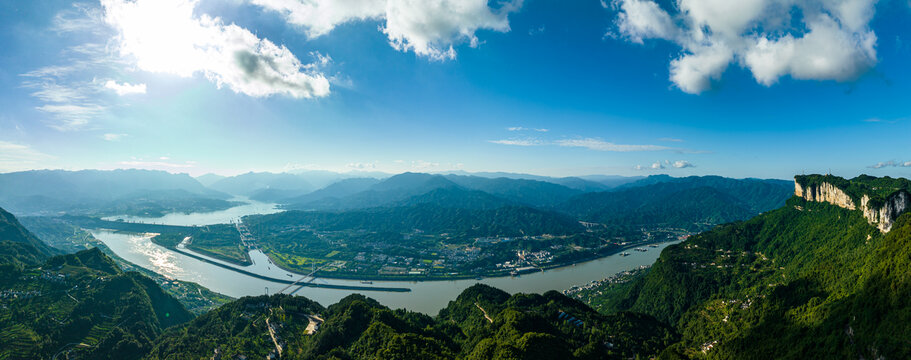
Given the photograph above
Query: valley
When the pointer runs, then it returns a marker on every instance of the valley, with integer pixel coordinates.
(660, 288)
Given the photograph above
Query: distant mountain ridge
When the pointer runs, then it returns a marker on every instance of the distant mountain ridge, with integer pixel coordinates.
(680, 202)
(249, 183)
(52, 191)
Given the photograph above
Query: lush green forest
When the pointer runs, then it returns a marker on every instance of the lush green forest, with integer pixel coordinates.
(69, 238)
(877, 189)
(482, 323)
(694, 203)
(81, 305)
(808, 280)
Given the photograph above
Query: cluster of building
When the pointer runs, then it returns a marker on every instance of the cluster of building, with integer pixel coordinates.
(617, 278)
(17, 294)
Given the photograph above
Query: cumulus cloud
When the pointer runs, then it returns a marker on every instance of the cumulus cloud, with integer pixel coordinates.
(125, 88)
(600, 145)
(680, 164)
(803, 39)
(165, 36)
(890, 163)
(640, 19)
(659, 165)
(429, 28)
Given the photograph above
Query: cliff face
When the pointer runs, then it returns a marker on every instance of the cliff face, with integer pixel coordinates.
(882, 217)
(824, 192)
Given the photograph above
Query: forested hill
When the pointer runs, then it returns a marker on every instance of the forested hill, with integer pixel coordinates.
(808, 280)
(429, 218)
(75, 306)
(693, 203)
(18, 245)
(482, 323)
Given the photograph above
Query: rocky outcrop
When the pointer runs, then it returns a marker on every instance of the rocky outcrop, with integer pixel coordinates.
(884, 216)
(880, 216)
(824, 192)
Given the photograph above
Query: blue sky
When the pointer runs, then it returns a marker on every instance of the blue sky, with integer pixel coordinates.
(630, 87)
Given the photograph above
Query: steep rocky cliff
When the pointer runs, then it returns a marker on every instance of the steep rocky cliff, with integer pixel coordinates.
(880, 211)
(883, 216)
(824, 192)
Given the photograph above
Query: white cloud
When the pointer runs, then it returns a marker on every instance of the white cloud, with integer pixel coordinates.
(640, 19)
(125, 88)
(71, 116)
(429, 28)
(681, 164)
(659, 165)
(165, 36)
(319, 17)
(890, 163)
(600, 145)
(113, 137)
(518, 142)
(17, 157)
(423, 165)
(520, 128)
(803, 39)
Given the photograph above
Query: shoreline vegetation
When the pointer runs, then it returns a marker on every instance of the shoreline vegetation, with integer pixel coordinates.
(231, 250)
(500, 274)
(410, 278)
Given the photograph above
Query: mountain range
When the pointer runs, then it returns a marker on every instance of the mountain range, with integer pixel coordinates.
(818, 277)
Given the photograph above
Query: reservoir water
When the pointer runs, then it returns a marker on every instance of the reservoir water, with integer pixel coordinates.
(205, 218)
(425, 296)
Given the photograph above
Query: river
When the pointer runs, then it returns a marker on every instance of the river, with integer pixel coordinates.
(425, 296)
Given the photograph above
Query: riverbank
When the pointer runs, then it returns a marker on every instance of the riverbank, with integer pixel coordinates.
(425, 296)
(489, 275)
(290, 282)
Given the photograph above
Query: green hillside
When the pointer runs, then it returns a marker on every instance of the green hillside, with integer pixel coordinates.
(809, 280)
(692, 203)
(75, 306)
(482, 323)
(82, 305)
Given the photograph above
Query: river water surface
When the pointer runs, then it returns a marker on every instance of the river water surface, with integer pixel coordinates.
(425, 296)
